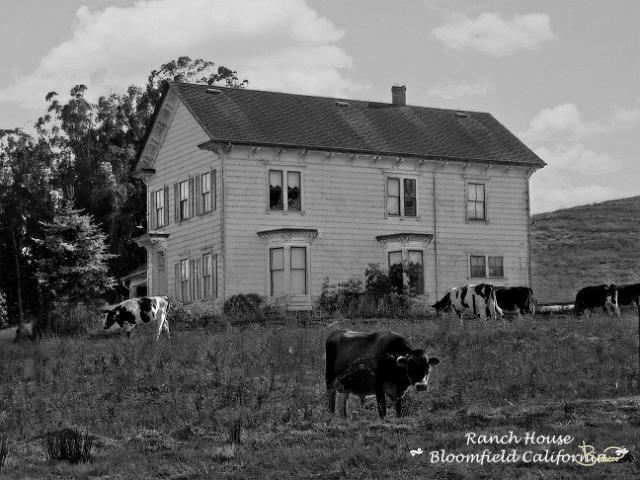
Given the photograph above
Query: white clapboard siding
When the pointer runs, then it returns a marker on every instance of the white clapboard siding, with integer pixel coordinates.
(178, 159)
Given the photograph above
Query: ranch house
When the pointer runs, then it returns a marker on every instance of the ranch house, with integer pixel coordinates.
(271, 193)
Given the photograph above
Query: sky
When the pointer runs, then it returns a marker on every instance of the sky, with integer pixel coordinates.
(562, 75)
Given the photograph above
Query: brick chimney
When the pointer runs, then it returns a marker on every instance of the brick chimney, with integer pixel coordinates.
(399, 96)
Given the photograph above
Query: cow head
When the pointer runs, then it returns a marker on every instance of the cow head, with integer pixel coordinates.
(112, 316)
(417, 363)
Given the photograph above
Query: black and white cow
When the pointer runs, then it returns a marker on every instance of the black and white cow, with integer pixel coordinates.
(478, 299)
(380, 363)
(629, 294)
(516, 299)
(605, 296)
(136, 311)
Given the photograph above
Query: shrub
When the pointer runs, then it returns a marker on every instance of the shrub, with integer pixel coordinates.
(243, 304)
(69, 445)
(73, 319)
(339, 297)
(179, 316)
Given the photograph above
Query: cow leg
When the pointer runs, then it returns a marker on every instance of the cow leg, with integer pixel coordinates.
(398, 405)
(331, 395)
(382, 403)
(343, 407)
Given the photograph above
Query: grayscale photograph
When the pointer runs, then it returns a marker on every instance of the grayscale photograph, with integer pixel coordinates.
(319, 239)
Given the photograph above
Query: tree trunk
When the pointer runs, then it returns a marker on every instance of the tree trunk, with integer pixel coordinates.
(20, 332)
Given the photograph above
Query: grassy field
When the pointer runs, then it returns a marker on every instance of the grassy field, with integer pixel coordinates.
(585, 245)
(250, 403)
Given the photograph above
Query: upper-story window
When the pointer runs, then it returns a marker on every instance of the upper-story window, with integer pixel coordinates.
(401, 197)
(285, 190)
(205, 192)
(158, 208)
(184, 200)
(476, 201)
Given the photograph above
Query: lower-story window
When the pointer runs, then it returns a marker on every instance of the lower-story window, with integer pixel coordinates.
(288, 271)
(184, 280)
(406, 269)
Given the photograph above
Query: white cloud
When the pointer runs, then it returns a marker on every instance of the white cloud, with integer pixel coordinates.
(567, 123)
(450, 91)
(567, 158)
(573, 176)
(280, 44)
(490, 33)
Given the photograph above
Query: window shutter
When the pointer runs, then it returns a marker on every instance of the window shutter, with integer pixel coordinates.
(152, 210)
(198, 197)
(192, 279)
(198, 278)
(192, 196)
(177, 283)
(214, 190)
(176, 202)
(166, 205)
(214, 276)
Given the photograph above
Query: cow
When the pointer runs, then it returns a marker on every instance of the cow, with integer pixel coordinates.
(516, 299)
(380, 363)
(605, 296)
(135, 311)
(478, 299)
(629, 295)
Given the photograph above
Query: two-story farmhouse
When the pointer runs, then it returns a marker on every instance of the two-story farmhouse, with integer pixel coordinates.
(271, 193)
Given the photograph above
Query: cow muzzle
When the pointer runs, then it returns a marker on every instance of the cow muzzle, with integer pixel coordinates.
(422, 386)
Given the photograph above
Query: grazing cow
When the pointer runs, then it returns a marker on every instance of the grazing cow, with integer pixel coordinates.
(479, 299)
(135, 311)
(516, 299)
(380, 363)
(605, 296)
(629, 294)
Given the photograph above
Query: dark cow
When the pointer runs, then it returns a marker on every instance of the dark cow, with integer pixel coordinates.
(605, 296)
(380, 363)
(479, 299)
(516, 299)
(135, 311)
(629, 294)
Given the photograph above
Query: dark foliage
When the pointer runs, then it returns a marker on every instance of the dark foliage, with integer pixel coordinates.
(69, 445)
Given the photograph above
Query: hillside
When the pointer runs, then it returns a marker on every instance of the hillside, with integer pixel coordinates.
(585, 245)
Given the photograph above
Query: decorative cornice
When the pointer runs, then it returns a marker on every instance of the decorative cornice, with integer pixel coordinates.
(404, 238)
(151, 239)
(289, 234)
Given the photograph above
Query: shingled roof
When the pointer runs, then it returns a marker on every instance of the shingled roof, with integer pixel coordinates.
(253, 117)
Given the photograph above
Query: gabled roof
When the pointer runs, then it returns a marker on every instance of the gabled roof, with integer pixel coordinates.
(253, 117)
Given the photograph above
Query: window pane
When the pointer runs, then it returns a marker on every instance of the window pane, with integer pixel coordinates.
(293, 190)
(395, 258)
(479, 192)
(206, 264)
(277, 283)
(393, 187)
(416, 272)
(275, 190)
(471, 188)
(299, 282)
(298, 257)
(478, 268)
(496, 268)
(184, 270)
(277, 259)
(393, 206)
(409, 197)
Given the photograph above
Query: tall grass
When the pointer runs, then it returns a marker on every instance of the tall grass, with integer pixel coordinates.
(260, 390)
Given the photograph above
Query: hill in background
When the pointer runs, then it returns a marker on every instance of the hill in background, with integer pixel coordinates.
(585, 245)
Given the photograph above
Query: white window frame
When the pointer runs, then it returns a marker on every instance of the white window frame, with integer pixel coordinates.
(467, 184)
(285, 171)
(401, 179)
(206, 194)
(183, 197)
(160, 206)
(486, 257)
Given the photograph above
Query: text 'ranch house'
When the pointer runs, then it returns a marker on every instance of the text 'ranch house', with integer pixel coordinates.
(270, 193)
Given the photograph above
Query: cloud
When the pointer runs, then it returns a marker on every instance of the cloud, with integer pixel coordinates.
(450, 91)
(280, 45)
(567, 123)
(491, 34)
(572, 177)
(567, 158)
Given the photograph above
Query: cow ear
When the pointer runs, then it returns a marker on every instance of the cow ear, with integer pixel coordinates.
(433, 361)
(401, 361)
